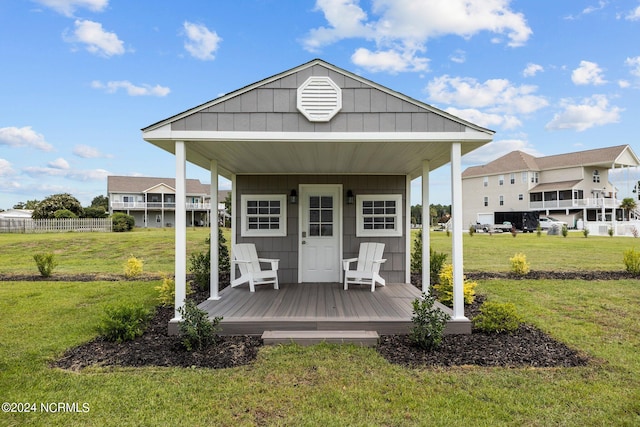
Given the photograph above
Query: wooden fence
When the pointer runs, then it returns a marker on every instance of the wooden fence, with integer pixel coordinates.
(57, 225)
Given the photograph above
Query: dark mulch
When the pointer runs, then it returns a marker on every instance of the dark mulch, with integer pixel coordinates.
(527, 346)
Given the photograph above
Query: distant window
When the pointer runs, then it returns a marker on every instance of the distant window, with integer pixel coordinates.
(520, 196)
(501, 200)
(596, 176)
(534, 177)
(486, 201)
(264, 215)
(378, 215)
(524, 177)
(512, 178)
(485, 181)
(501, 180)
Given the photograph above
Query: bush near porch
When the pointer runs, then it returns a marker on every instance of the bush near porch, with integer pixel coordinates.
(290, 385)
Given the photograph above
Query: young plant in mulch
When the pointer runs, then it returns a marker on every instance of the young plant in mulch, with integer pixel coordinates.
(133, 267)
(496, 317)
(631, 260)
(124, 323)
(46, 263)
(196, 330)
(519, 264)
(167, 292)
(444, 287)
(428, 323)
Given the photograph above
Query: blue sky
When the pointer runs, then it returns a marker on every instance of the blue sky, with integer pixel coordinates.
(80, 78)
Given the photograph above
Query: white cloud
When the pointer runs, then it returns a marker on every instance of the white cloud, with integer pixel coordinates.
(5, 168)
(405, 26)
(459, 56)
(202, 43)
(59, 163)
(87, 152)
(634, 63)
(72, 174)
(23, 137)
(588, 73)
(389, 60)
(96, 39)
(532, 69)
(131, 89)
(634, 15)
(68, 7)
(498, 94)
(487, 120)
(593, 111)
(623, 84)
(496, 149)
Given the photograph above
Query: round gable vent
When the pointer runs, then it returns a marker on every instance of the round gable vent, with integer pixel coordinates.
(319, 99)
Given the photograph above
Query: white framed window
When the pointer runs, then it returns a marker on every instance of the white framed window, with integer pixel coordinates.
(263, 215)
(378, 215)
(486, 201)
(535, 176)
(485, 181)
(501, 201)
(596, 176)
(524, 177)
(512, 178)
(520, 196)
(501, 180)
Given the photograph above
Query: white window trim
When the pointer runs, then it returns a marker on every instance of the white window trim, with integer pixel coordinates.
(244, 223)
(396, 232)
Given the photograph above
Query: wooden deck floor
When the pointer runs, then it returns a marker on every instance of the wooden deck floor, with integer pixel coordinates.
(318, 306)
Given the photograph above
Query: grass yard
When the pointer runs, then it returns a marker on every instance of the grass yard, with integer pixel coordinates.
(320, 385)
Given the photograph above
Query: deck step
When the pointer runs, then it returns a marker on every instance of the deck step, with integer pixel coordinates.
(363, 338)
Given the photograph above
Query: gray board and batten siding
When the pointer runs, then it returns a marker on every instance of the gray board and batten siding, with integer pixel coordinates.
(285, 248)
(272, 108)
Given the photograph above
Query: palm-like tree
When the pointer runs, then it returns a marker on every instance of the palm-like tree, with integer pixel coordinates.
(628, 204)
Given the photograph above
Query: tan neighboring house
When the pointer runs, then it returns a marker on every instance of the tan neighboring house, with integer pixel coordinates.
(152, 201)
(572, 187)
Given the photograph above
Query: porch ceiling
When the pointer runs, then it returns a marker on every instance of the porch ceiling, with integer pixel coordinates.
(317, 153)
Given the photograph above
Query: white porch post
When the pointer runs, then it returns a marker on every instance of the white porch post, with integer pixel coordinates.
(408, 242)
(234, 209)
(181, 228)
(214, 267)
(456, 238)
(426, 226)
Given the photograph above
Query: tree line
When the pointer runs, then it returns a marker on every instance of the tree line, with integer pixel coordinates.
(64, 205)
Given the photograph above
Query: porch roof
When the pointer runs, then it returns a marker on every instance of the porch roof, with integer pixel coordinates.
(259, 130)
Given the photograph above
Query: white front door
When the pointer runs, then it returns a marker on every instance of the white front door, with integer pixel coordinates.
(320, 240)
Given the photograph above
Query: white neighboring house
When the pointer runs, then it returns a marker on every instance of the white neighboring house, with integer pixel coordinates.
(572, 187)
(152, 201)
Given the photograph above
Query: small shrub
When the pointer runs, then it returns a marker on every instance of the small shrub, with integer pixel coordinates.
(496, 317)
(472, 229)
(634, 232)
(585, 232)
(428, 323)
(133, 267)
(444, 287)
(631, 261)
(167, 292)
(610, 231)
(122, 222)
(539, 230)
(124, 323)
(565, 230)
(514, 231)
(519, 264)
(197, 331)
(46, 263)
(64, 213)
(416, 254)
(200, 263)
(436, 262)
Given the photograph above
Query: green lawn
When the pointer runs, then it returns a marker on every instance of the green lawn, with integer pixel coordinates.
(322, 385)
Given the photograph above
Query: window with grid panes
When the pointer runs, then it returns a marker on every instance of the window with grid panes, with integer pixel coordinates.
(379, 215)
(263, 215)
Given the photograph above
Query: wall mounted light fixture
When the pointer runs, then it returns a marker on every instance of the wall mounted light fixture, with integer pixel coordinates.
(350, 197)
(293, 197)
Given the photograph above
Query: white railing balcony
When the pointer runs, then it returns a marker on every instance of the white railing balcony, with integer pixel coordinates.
(607, 203)
(157, 205)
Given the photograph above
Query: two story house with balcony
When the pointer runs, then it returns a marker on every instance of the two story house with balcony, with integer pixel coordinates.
(152, 201)
(571, 187)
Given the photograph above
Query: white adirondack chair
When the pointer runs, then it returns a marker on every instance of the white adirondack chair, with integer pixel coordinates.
(246, 258)
(367, 267)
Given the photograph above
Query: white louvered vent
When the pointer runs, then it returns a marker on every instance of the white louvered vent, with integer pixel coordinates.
(319, 99)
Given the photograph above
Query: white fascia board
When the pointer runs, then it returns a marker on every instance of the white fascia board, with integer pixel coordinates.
(165, 133)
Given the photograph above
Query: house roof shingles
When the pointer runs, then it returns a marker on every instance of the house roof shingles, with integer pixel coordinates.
(137, 184)
(520, 161)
